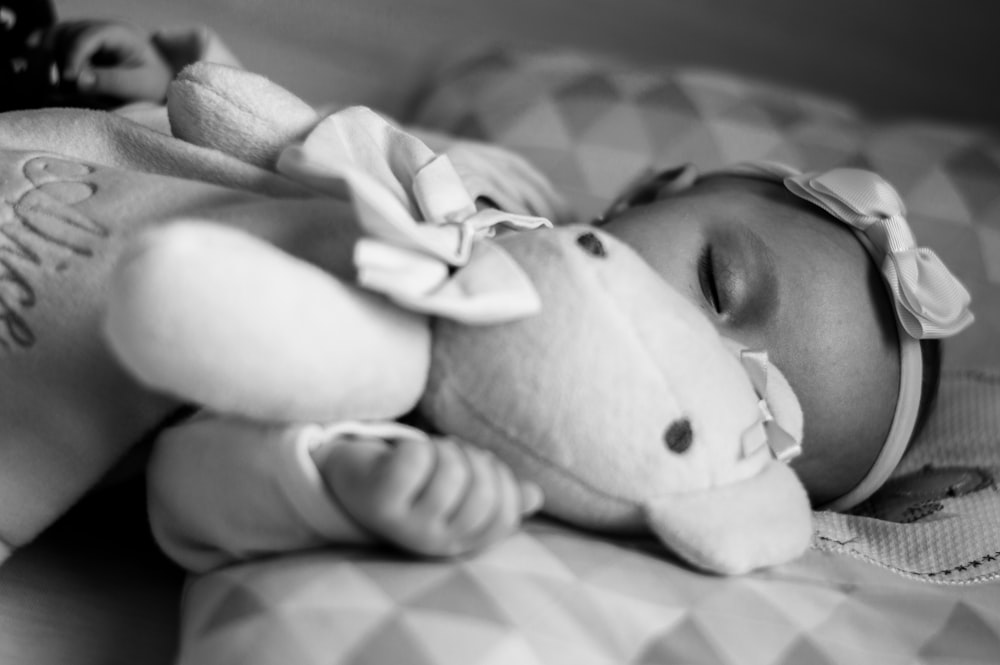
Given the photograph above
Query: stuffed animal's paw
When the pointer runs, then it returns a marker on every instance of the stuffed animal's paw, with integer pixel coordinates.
(434, 497)
(237, 112)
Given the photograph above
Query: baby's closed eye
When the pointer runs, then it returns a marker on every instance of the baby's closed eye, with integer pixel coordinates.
(737, 275)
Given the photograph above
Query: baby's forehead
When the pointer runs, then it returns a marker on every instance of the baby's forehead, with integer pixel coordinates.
(764, 206)
(756, 194)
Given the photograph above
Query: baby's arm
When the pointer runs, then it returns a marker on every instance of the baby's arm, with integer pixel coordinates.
(227, 489)
(106, 63)
(109, 63)
(224, 490)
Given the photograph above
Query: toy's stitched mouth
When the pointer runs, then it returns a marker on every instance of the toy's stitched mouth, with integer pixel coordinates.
(531, 452)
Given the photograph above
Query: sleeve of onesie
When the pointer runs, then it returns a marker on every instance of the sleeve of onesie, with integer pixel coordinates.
(223, 490)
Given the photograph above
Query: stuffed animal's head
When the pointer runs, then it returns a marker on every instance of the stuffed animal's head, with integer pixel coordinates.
(619, 398)
(625, 405)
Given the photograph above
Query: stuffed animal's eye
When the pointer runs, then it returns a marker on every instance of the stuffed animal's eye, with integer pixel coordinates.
(679, 436)
(592, 245)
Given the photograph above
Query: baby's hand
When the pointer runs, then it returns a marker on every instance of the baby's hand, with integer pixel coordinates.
(435, 497)
(105, 63)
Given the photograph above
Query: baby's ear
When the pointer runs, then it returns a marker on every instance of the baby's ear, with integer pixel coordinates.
(237, 112)
(761, 521)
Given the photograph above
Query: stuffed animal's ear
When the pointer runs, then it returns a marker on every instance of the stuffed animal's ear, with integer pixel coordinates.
(761, 521)
(237, 112)
(224, 319)
(492, 288)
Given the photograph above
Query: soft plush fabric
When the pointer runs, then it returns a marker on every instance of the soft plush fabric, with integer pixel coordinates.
(76, 184)
(552, 595)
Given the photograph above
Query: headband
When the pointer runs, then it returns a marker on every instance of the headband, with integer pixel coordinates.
(929, 302)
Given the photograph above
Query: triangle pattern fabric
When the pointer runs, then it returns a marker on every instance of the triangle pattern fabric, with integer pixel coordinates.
(738, 142)
(239, 605)
(805, 650)
(966, 637)
(586, 100)
(621, 128)
(523, 555)
(395, 641)
(453, 639)
(935, 196)
(711, 94)
(667, 96)
(460, 595)
(543, 126)
(637, 622)
(989, 239)
(257, 641)
(685, 642)
(607, 170)
(665, 126)
(320, 635)
(513, 648)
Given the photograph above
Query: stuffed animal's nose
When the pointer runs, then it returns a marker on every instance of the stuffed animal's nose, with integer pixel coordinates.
(592, 245)
(679, 436)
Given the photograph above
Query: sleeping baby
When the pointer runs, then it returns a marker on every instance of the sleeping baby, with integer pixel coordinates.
(820, 270)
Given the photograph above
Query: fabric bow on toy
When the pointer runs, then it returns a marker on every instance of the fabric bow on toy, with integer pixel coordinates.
(558, 349)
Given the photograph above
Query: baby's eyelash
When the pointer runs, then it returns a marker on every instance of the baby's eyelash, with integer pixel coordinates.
(707, 278)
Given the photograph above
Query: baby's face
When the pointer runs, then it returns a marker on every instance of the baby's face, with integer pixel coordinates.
(772, 272)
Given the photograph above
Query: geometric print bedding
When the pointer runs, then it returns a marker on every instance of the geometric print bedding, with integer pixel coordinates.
(550, 596)
(913, 577)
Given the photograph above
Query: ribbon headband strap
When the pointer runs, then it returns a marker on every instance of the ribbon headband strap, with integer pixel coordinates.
(929, 301)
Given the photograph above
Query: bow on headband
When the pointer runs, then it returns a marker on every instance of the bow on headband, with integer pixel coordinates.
(930, 302)
(784, 438)
(418, 218)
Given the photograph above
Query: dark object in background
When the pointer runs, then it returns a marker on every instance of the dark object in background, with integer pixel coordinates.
(28, 74)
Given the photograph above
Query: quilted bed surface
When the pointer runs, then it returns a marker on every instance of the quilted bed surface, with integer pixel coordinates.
(551, 597)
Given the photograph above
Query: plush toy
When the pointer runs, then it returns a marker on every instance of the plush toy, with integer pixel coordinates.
(557, 348)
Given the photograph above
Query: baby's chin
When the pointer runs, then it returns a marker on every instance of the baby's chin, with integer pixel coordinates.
(842, 441)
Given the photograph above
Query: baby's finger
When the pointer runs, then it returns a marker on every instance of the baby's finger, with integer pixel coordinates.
(485, 492)
(506, 509)
(79, 43)
(148, 82)
(405, 471)
(446, 485)
(351, 463)
(531, 497)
